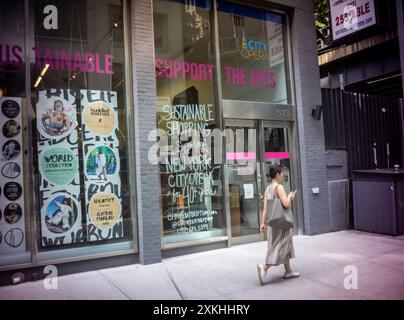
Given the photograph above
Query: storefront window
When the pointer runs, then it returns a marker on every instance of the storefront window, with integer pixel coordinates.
(12, 49)
(79, 135)
(14, 221)
(253, 54)
(191, 192)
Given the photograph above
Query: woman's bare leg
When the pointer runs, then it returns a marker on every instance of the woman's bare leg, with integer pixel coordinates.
(267, 266)
(287, 267)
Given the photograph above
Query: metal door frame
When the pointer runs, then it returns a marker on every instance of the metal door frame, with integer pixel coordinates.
(260, 176)
(246, 123)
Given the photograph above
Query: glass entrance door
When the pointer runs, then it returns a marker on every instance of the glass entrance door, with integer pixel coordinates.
(243, 178)
(251, 148)
(276, 149)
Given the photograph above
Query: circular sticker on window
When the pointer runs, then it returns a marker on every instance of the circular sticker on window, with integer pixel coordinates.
(14, 237)
(11, 129)
(12, 191)
(61, 214)
(10, 108)
(101, 164)
(11, 170)
(100, 118)
(11, 149)
(57, 120)
(59, 165)
(105, 210)
(12, 213)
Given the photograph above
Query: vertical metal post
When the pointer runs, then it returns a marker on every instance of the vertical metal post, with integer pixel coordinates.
(219, 99)
(130, 120)
(29, 116)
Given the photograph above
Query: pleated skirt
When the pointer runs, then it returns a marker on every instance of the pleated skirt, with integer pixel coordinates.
(280, 246)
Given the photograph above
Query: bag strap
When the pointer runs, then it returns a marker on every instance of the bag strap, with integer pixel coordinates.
(275, 191)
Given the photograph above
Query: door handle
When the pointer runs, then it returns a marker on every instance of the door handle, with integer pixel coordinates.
(261, 196)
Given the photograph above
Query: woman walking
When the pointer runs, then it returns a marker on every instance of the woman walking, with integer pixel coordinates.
(280, 241)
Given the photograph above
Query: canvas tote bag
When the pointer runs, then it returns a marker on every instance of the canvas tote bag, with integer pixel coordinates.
(279, 216)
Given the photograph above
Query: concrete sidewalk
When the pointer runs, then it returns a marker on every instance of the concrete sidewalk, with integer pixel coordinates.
(231, 274)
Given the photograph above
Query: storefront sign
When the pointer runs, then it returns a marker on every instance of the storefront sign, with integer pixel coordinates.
(249, 77)
(188, 179)
(89, 62)
(254, 49)
(11, 54)
(348, 16)
(12, 217)
(258, 78)
(101, 164)
(57, 157)
(174, 69)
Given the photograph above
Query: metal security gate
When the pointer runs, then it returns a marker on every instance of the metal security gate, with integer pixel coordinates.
(367, 127)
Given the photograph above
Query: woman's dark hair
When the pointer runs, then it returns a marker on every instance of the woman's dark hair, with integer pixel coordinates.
(274, 170)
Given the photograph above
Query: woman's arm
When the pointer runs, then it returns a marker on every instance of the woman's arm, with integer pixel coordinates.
(264, 213)
(285, 199)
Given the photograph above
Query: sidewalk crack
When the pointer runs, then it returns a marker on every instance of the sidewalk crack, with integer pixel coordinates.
(115, 285)
(173, 282)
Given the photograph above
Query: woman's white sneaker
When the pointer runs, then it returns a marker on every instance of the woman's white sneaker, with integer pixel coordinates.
(290, 275)
(261, 273)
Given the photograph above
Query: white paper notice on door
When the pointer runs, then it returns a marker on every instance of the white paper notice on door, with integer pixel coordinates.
(248, 191)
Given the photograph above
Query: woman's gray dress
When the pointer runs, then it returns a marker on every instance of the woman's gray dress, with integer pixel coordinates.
(280, 242)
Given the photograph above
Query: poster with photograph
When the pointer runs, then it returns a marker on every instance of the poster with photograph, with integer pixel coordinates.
(58, 154)
(101, 164)
(12, 219)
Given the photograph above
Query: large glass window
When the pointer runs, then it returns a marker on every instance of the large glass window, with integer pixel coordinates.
(15, 241)
(12, 48)
(253, 54)
(191, 192)
(64, 173)
(79, 135)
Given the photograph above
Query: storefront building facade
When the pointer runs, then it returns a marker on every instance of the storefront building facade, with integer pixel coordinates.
(142, 129)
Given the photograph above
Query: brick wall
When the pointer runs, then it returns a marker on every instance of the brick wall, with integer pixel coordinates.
(144, 91)
(310, 131)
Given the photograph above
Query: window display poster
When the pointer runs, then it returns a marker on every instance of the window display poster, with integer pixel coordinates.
(12, 218)
(101, 164)
(58, 155)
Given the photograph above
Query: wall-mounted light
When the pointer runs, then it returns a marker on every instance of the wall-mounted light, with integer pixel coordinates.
(316, 112)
